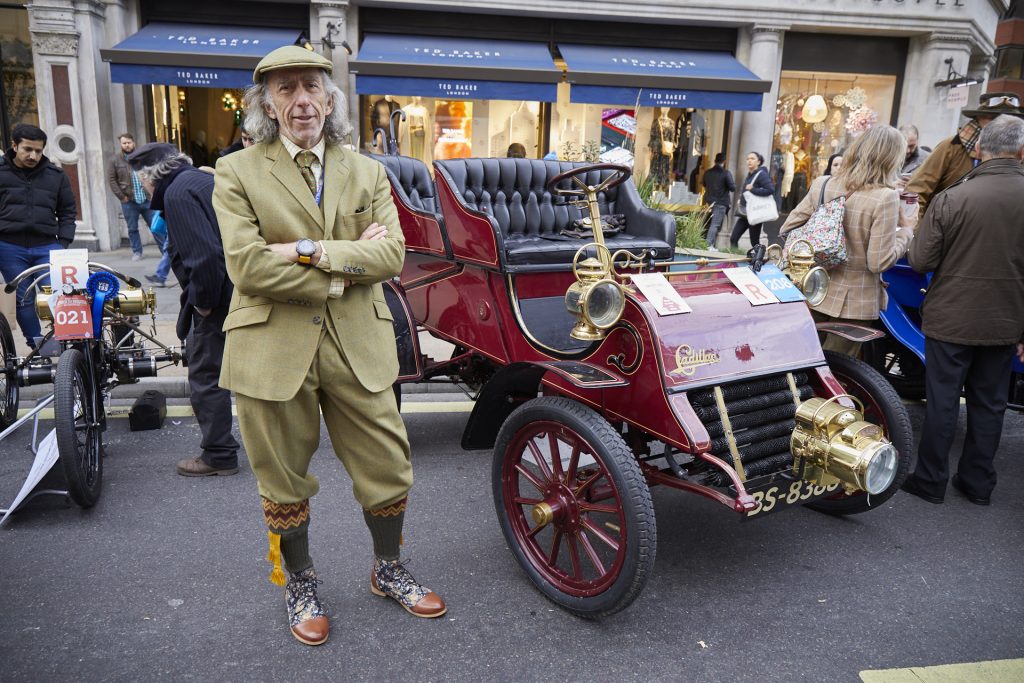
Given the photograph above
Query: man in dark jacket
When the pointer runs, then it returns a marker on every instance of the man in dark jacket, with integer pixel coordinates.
(718, 188)
(37, 215)
(973, 314)
(127, 187)
(185, 196)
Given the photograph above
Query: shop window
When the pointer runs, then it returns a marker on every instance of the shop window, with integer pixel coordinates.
(1008, 63)
(809, 131)
(17, 79)
(448, 129)
(202, 122)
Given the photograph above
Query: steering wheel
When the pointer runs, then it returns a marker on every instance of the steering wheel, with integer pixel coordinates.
(621, 175)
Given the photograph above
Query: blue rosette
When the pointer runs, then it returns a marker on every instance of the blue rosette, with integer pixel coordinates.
(103, 287)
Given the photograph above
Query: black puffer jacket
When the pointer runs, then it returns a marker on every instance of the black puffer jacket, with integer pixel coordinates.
(37, 205)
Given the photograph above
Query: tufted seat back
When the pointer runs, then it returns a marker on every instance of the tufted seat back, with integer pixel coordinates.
(514, 192)
(411, 178)
(529, 220)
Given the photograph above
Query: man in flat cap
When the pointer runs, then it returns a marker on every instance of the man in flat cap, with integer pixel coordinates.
(185, 196)
(310, 233)
(955, 157)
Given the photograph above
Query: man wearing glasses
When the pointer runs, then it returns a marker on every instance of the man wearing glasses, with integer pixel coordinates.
(955, 157)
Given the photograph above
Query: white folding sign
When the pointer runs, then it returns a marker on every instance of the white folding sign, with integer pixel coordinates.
(660, 292)
(751, 286)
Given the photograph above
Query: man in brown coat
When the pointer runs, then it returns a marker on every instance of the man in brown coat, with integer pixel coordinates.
(973, 313)
(954, 157)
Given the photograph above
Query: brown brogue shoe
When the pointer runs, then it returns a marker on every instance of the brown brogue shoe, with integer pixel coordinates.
(195, 467)
(391, 579)
(306, 616)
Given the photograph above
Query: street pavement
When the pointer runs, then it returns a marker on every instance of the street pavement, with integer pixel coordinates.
(166, 579)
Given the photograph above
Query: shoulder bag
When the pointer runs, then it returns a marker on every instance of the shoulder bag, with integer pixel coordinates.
(760, 209)
(824, 231)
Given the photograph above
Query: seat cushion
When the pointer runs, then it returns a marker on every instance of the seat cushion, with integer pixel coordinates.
(412, 179)
(560, 250)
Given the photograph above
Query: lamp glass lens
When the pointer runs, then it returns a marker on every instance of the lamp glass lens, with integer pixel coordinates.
(604, 304)
(816, 286)
(881, 469)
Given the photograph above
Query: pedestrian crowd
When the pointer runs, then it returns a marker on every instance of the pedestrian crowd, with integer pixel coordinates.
(292, 232)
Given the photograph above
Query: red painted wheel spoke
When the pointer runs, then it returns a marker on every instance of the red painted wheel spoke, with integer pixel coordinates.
(574, 557)
(530, 477)
(574, 461)
(556, 545)
(597, 531)
(542, 462)
(520, 500)
(586, 485)
(592, 554)
(536, 530)
(556, 455)
(594, 507)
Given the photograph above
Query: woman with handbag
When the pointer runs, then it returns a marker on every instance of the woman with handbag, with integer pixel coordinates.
(877, 232)
(757, 185)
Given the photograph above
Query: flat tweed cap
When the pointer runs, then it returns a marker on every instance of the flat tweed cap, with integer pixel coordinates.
(290, 57)
(151, 153)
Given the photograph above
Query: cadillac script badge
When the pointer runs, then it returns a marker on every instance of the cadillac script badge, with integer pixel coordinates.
(688, 360)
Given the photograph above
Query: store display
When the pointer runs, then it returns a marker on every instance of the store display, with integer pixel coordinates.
(416, 128)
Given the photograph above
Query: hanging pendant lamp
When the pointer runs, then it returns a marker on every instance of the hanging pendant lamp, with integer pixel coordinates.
(815, 110)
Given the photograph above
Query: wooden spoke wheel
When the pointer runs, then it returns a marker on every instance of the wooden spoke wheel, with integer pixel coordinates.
(882, 406)
(898, 364)
(76, 413)
(8, 376)
(574, 506)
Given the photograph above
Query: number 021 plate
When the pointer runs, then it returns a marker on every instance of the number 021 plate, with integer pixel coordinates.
(72, 319)
(783, 492)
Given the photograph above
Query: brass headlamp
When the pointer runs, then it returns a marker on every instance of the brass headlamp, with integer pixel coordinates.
(811, 279)
(832, 442)
(129, 302)
(595, 298)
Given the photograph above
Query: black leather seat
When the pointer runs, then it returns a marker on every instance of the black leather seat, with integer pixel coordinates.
(411, 179)
(529, 220)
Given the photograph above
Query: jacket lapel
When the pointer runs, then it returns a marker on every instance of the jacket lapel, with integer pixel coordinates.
(286, 171)
(336, 176)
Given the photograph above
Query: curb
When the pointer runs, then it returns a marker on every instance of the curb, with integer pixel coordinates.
(177, 387)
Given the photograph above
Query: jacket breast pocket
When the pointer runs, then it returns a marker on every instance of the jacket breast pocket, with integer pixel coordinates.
(247, 315)
(355, 223)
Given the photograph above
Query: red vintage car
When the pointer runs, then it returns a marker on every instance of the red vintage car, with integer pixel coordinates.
(590, 391)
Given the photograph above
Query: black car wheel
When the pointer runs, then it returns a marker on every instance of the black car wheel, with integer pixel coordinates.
(8, 377)
(79, 429)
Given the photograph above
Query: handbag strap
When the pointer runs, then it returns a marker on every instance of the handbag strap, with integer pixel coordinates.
(821, 198)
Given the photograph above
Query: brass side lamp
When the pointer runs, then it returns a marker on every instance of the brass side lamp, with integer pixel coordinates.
(811, 279)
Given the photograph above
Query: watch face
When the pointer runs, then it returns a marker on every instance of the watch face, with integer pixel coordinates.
(305, 247)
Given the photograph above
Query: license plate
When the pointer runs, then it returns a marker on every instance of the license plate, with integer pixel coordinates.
(782, 493)
(72, 318)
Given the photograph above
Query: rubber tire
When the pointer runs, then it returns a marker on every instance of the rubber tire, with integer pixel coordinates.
(636, 500)
(9, 399)
(85, 494)
(910, 384)
(899, 432)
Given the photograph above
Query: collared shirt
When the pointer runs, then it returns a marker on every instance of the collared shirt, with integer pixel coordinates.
(912, 162)
(137, 189)
(337, 287)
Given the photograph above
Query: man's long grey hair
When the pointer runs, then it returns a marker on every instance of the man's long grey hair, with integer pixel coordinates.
(262, 128)
(161, 169)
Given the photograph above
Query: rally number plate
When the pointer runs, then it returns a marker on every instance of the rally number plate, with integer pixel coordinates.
(72, 318)
(782, 493)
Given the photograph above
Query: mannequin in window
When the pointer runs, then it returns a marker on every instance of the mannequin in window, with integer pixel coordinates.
(416, 127)
(380, 117)
(522, 125)
(662, 145)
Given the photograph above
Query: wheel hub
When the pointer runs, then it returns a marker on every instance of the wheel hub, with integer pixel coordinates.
(559, 507)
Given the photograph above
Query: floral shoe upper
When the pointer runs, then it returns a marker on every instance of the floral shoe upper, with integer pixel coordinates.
(391, 578)
(300, 596)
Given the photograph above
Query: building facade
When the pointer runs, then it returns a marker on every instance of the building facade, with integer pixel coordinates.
(664, 86)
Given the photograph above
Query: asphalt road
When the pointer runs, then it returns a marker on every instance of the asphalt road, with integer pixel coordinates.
(166, 578)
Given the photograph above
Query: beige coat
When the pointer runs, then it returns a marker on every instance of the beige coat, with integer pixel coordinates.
(873, 244)
(278, 310)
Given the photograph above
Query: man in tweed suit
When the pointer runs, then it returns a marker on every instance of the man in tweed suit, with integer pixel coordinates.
(185, 195)
(309, 331)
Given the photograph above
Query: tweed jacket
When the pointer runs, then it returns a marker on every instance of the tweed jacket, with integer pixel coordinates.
(873, 244)
(279, 309)
(948, 163)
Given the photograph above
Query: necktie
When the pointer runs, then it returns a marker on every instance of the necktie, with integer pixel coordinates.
(305, 162)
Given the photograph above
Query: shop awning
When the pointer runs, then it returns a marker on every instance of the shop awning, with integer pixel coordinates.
(455, 68)
(665, 78)
(193, 55)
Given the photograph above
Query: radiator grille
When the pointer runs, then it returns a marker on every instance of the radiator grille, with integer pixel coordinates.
(761, 413)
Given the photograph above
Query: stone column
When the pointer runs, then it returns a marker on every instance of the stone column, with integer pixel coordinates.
(921, 102)
(74, 106)
(757, 127)
(329, 19)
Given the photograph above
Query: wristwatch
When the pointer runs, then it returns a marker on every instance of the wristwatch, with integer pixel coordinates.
(306, 249)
